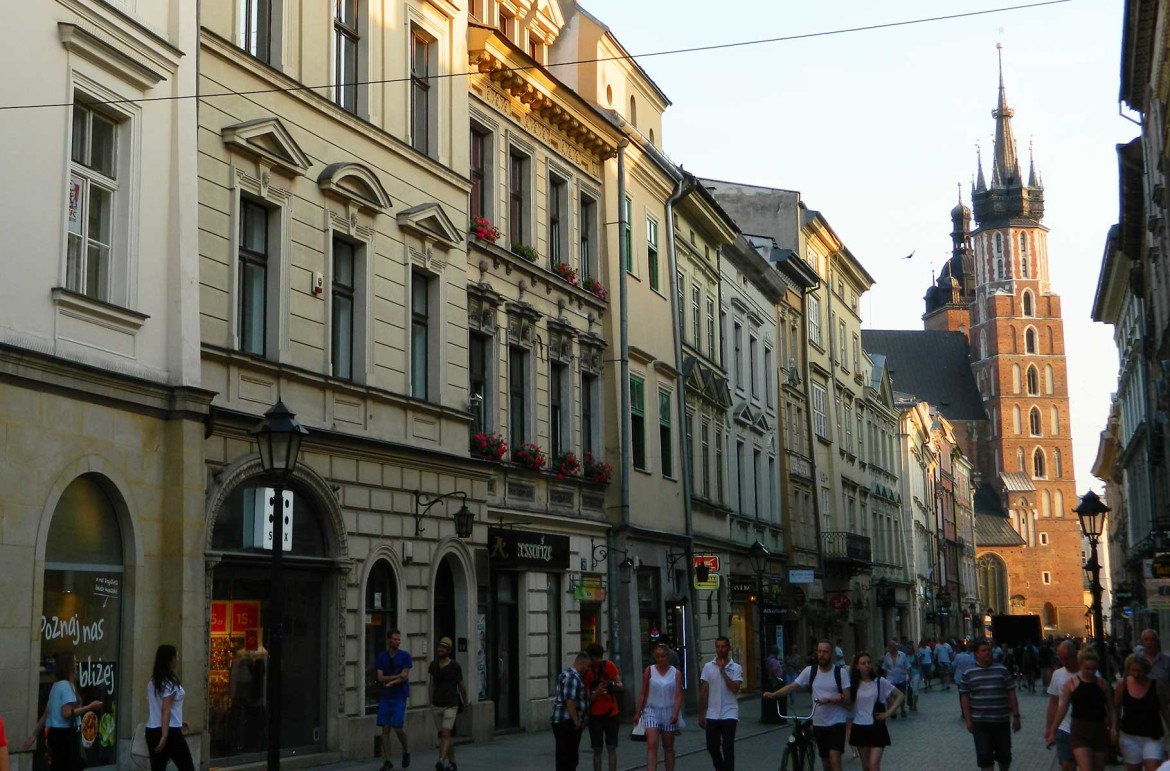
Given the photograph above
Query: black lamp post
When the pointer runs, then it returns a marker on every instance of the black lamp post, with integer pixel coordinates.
(1091, 511)
(600, 553)
(278, 438)
(758, 554)
(464, 518)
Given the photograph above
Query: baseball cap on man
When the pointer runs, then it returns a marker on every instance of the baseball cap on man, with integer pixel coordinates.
(445, 642)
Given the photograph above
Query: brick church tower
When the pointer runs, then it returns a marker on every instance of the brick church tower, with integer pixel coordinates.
(995, 289)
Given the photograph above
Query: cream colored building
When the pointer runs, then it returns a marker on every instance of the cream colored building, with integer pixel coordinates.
(100, 387)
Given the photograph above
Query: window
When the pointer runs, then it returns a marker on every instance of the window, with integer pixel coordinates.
(517, 197)
(1030, 340)
(999, 266)
(849, 427)
(1034, 427)
(517, 395)
(665, 445)
(1015, 378)
(820, 417)
(557, 428)
(253, 278)
(627, 235)
(1047, 577)
(841, 350)
(1048, 378)
(536, 49)
(740, 474)
(93, 188)
(638, 421)
(587, 224)
(1016, 419)
(344, 263)
(711, 328)
(633, 111)
(696, 319)
(479, 356)
(856, 354)
(814, 320)
(1038, 464)
(705, 456)
(718, 464)
(507, 25)
(998, 243)
(420, 335)
(757, 477)
(1027, 303)
(1056, 465)
(1055, 420)
(737, 342)
(256, 29)
(557, 225)
(588, 410)
(1044, 539)
(480, 152)
(682, 307)
(1033, 382)
(345, 55)
(475, 9)
(753, 379)
(652, 252)
(769, 397)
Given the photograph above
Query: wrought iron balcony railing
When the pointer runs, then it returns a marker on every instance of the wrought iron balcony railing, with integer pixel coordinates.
(848, 547)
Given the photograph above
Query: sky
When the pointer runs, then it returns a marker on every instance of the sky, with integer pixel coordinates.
(877, 128)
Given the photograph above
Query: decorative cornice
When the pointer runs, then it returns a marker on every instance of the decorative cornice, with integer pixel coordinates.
(86, 44)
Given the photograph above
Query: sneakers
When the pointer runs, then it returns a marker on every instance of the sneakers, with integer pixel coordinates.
(387, 765)
(406, 760)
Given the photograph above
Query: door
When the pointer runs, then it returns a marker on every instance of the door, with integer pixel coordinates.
(505, 653)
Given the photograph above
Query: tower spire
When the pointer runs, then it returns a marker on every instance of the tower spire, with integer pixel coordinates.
(1006, 166)
(1033, 178)
(980, 184)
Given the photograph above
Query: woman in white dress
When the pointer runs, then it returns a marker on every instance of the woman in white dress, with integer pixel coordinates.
(874, 699)
(659, 707)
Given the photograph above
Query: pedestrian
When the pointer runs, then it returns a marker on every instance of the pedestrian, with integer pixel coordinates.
(1066, 656)
(774, 670)
(829, 685)
(658, 708)
(839, 653)
(896, 666)
(875, 699)
(964, 660)
(925, 662)
(943, 653)
(164, 714)
(1094, 723)
(1045, 659)
(603, 683)
(1142, 705)
(793, 663)
(392, 671)
(568, 713)
(1029, 663)
(1159, 659)
(719, 686)
(447, 695)
(3, 747)
(988, 696)
(62, 716)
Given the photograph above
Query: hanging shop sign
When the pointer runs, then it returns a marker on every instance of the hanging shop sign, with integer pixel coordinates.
(712, 582)
(839, 602)
(589, 589)
(1158, 593)
(798, 576)
(523, 549)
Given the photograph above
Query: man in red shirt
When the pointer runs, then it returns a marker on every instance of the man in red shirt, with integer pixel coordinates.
(604, 684)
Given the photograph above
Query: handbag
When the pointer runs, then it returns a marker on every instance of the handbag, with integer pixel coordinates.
(639, 732)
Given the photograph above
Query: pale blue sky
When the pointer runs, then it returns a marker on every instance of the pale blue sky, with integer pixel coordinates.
(876, 128)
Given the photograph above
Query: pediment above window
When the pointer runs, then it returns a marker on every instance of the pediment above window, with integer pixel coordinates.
(431, 222)
(355, 183)
(267, 139)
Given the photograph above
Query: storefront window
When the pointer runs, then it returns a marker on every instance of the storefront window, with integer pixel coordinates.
(381, 617)
(82, 610)
(649, 619)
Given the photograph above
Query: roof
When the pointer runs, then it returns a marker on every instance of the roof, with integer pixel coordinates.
(934, 366)
(991, 530)
(1016, 481)
(987, 501)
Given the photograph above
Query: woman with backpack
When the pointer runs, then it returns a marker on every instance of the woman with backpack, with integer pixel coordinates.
(874, 699)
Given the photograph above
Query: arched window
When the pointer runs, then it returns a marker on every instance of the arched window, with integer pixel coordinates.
(998, 243)
(1055, 422)
(982, 344)
(1033, 382)
(1024, 265)
(1023, 243)
(381, 617)
(1034, 427)
(1038, 466)
(1057, 470)
(1015, 378)
(1030, 340)
(1027, 302)
(633, 111)
(991, 577)
(999, 266)
(1059, 503)
(1020, 459)
(1048, 378)
(1016, 419)
(1046, 504)
(1049, 616)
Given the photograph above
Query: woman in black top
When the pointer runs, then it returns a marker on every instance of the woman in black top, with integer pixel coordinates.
(1094, 723)
(1142, 703)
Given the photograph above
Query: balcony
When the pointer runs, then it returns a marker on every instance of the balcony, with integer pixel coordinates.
(847, 553)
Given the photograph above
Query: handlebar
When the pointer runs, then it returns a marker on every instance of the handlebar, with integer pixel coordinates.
(799, 718)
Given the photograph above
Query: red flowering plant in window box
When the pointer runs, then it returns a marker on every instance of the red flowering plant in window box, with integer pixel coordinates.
(481, 228)
(525, 251)
(594, 287)
(565, 465)
(597, 471)
(489, 446)
(565, 271)
(528, 456)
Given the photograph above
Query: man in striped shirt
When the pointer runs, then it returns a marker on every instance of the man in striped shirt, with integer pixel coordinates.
(570, 706)
(987, 693)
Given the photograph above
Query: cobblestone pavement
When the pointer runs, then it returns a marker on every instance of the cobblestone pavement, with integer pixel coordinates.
(933, 739)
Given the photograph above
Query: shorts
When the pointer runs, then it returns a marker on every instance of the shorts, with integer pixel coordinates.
(876, 735)
(830, 738)
(444, 717)
(392, 712)
(1064, 748)
(993, 744)
(925, 670)
(1089, 734)
(1135, 749)
(604, 727)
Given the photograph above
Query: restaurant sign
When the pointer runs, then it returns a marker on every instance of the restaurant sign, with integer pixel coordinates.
(523, 549)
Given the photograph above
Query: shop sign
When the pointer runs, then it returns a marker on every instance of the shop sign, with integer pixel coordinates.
(1158, 593)
(800, 576)
(258, 518)
(219, 617)
(245, 615)
(589, 589)
(774, 611)
(1160, 566)
(710, 560)
(839, 602)
(740, 588)
(521, 549)
(712, 582)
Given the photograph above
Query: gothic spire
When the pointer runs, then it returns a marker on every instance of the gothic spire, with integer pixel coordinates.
(980, 184)
(1033, 177)
(1006, 167)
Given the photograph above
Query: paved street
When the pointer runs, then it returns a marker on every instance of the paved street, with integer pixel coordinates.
(931, 740)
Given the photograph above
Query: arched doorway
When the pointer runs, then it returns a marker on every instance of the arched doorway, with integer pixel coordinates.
(239, 634)
(382, 613)
(451, 616)
(82, 610)
(991, 575)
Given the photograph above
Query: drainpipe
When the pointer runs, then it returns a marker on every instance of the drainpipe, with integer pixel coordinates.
(811, 438)
(611, 561)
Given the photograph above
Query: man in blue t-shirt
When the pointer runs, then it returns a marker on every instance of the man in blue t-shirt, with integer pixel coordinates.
(392, 671)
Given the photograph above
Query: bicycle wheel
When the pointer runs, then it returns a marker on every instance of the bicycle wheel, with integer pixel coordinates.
(810, 757)
(789, 761)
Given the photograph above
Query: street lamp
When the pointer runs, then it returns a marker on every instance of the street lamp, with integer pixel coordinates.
(1091, 511)
(278, 438)
(464, 518)
(758, 554)
(600, 553)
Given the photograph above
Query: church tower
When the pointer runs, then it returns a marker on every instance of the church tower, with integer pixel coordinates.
(1018, 358)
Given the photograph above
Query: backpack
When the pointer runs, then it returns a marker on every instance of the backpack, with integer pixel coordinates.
(812, 675)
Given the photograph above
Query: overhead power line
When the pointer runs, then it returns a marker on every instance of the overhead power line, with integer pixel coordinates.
(629, 57)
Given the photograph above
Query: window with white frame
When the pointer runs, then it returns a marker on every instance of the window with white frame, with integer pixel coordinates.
(1046, 577)
(480, 348)
(558, 415)
(652, 252)
(665, 433)
(93, 204)
(519, 192)
(421, 334)
(343, 323)
(423, 96)
(820, 413)
(1044, 539)
(682, 303)
(481, 153)
(814, 320)
(769, 396)
(587, 235)
(259, 29)
(705, 456)
(711, 327)
(558, 221)
(737, 343)
(696, 317)
(753, 376)
(518, 401)
(719, 463)
(255, 258)
(638, 422)
(346, 47)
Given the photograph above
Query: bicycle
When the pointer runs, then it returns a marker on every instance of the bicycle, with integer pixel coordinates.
(800, 752)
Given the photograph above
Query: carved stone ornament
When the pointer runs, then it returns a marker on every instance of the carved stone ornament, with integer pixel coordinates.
(592, 348)
(481, 312)
(522, 319)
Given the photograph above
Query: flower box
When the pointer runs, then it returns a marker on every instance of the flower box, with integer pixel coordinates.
(481, 228)
(596, 471)
(489, 446)
(594, 287)
(564, 465)
(566, 272)
(525, 251)
(528, 456)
